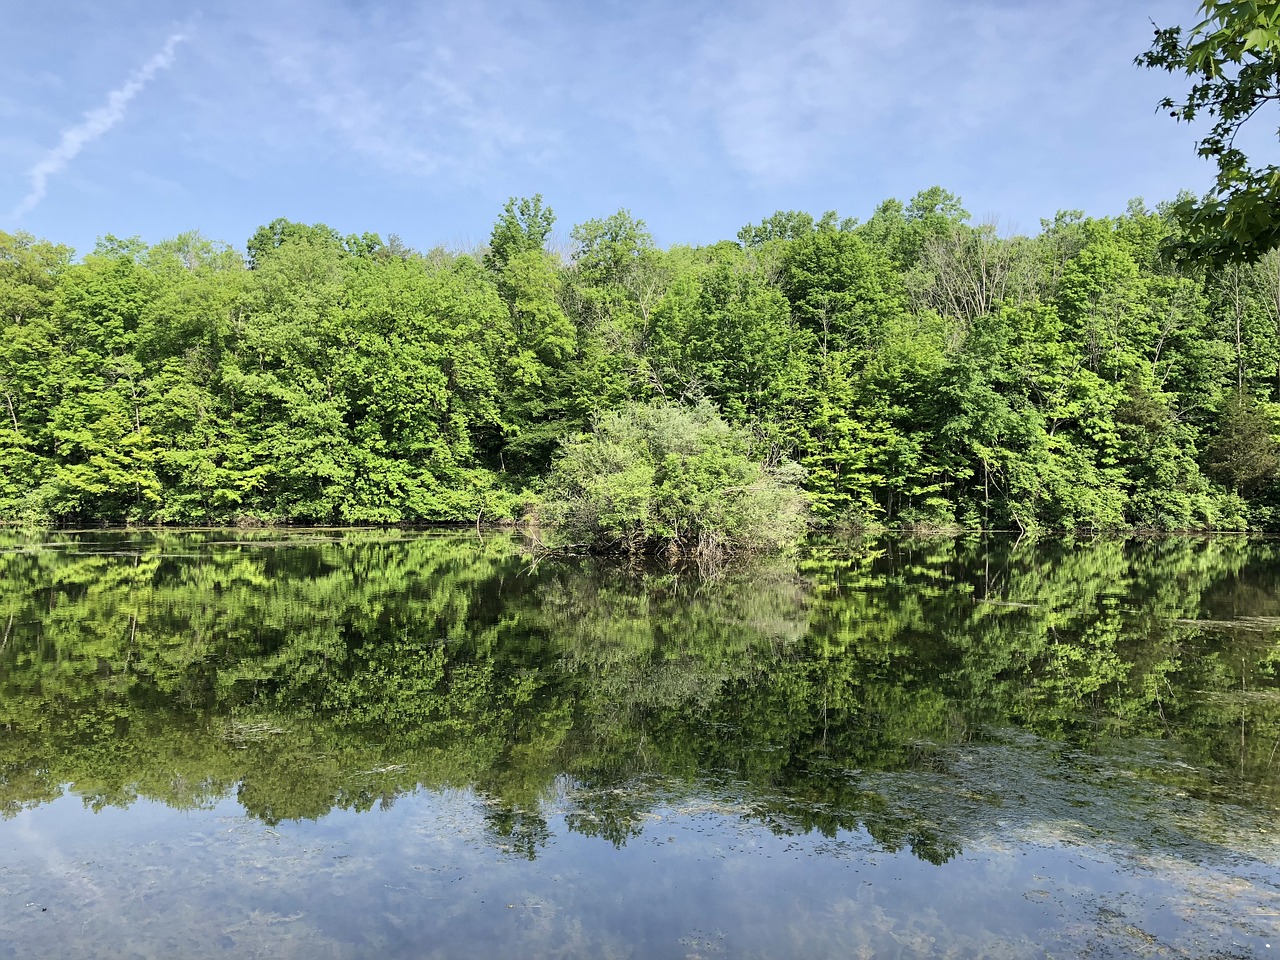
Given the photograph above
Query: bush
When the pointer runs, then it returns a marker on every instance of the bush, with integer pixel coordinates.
(664, 479)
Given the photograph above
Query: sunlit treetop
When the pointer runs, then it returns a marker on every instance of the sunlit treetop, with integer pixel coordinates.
(1233, 59)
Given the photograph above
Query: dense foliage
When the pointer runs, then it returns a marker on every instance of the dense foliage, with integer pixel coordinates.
(1233, 59)
(662, 478)
(921, 370)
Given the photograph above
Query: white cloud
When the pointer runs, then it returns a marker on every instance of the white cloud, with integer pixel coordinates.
(822, 87)
(782, 84)
(94, 125)
(391, 90)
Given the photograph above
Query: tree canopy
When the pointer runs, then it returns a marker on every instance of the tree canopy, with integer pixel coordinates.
(916, 368)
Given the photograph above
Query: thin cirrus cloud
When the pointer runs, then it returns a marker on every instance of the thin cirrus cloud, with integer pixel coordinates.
(793, 91)
(431, 92)
(785, 86)
(96, 123)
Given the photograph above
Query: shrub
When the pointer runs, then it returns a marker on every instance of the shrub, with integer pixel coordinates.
(666, 479)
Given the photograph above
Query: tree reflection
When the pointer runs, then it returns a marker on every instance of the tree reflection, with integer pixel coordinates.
(341, 670)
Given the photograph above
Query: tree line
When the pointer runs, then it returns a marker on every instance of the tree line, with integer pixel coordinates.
(919, 367)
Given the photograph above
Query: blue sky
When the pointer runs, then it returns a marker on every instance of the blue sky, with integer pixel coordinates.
(420, 119)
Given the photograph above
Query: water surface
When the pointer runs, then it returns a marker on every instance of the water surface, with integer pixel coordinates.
(356, 744)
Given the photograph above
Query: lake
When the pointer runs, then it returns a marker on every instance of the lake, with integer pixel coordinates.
(387, 744)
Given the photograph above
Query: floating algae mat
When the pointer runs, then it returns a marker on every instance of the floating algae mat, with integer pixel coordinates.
(365, 745)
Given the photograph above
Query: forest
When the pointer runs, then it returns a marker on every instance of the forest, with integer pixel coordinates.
(916, 369)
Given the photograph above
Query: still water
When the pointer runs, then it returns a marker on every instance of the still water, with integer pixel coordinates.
(356, 744)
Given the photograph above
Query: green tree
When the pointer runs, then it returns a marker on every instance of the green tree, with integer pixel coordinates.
(523, 227)
(616, 278)
(723, 332)
(1243, 452)
(841, 290)
(105, 453)
(281, 232)
(30, 271)
(537, 387)
(1233, 59)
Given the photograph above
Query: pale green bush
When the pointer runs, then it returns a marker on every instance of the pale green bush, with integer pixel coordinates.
(666, 479)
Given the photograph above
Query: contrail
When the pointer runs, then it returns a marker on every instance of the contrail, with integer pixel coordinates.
(95, 124)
